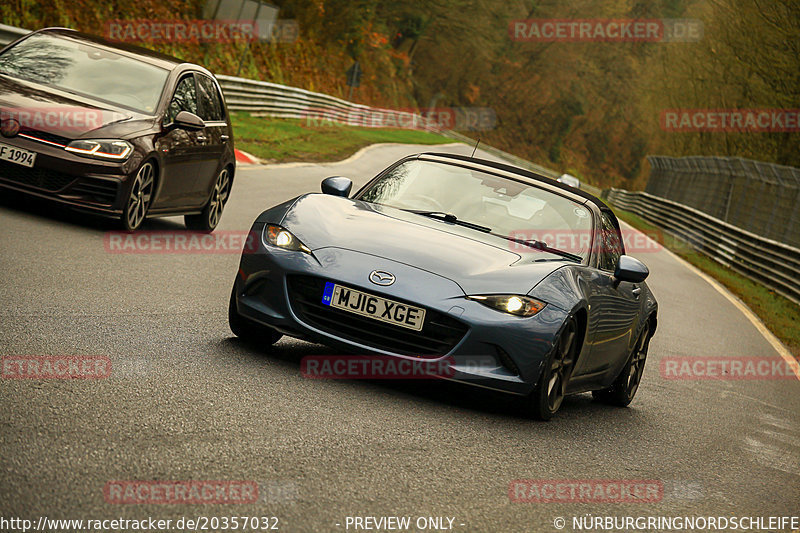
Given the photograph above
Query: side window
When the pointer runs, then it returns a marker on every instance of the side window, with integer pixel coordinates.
(184, 99)
(210, 100)
(610, 244)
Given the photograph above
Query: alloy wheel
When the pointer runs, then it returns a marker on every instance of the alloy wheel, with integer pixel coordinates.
(561, 367)
(140, 197)
(219, 196)
(636, 366)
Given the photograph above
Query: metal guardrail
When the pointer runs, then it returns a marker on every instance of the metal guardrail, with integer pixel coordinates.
(772, 264)
(271, 99)
(10, 33)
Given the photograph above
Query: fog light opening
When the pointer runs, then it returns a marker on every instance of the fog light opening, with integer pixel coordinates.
(506, 361)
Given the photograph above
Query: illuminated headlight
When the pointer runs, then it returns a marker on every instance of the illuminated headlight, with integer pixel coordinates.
(283, 238)
(511, 303)
(100, 149)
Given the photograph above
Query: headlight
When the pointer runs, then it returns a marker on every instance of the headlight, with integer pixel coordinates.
(111, 149)
(511, 303)
(283, 238)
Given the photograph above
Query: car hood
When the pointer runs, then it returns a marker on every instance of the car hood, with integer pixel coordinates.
(56, 112)
(479, 263)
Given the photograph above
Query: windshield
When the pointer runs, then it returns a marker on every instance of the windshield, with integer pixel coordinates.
(510, 209)
(84, 69)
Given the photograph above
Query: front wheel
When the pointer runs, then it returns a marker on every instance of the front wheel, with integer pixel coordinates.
(209, 219)
(546, 399)
(140, 197)
(623, 390)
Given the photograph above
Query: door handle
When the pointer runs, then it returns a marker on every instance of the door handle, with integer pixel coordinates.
(201, 138)
(224, 138)
(637, 291)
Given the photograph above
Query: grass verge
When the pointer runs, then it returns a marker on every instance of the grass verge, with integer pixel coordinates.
(284, 140)
(779, 314)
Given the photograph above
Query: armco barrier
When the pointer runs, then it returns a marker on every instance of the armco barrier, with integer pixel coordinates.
(265, 98)
(260, 97)
(772, 264)
(10, 33)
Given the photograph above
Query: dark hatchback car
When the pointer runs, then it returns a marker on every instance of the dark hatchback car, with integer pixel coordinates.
(113, 129)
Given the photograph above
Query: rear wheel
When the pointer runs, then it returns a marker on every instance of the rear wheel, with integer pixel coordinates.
(248, 330)
(212, 212)
(140, 197)
(623, 390)
(549, 393)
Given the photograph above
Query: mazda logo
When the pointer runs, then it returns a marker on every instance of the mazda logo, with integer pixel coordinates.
(9, 127)
(381, 277)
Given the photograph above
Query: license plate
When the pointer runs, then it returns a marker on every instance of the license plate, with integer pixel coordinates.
(375, 307)
(16, 155)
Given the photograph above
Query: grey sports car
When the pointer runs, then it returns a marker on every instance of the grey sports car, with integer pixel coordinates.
(456, 259)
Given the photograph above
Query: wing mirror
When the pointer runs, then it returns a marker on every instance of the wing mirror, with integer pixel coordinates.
(630, 269)
(337, 186)
(189, 121)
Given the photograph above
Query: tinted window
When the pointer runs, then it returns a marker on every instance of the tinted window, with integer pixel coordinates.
(210, 100)
(610, 244)
(82, 68)
(184, 98)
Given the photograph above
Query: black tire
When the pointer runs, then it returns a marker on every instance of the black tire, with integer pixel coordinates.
(209, 218)
(134, 212)
(248, 330)
(546, 399)
(623, 390)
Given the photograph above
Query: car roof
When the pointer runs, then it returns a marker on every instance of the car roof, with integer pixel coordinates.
(477, 163)
(137, 52)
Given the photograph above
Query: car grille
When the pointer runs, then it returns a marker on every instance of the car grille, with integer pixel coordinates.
(35, 177)
(440, 333)
(47, 137)
(99, 191)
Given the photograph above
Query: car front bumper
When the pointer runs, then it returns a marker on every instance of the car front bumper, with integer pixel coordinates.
(493, 349)
(79, 182)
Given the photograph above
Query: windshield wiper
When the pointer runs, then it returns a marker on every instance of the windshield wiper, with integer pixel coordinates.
(449, 217)
(541, 245)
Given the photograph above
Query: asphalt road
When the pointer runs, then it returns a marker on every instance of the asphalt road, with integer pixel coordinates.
(187, 401)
